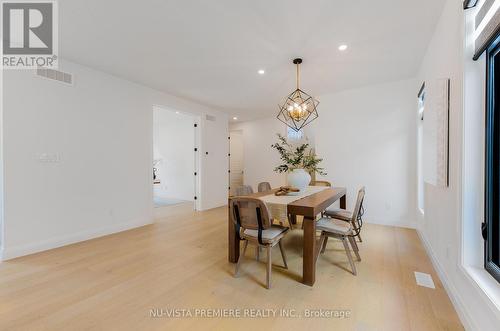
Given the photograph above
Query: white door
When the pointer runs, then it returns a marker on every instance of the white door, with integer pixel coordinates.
(235, 160)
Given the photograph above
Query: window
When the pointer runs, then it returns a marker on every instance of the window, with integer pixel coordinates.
(491, 227)
(294, 135)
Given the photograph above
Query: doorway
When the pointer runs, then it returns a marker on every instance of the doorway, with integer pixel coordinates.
(236, 160)
(175, 166)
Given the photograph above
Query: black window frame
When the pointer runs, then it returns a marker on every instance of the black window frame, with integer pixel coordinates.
(491, 227)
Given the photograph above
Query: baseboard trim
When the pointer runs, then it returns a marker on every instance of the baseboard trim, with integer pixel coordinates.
(450, 289)
(408, 225)
(22, 250)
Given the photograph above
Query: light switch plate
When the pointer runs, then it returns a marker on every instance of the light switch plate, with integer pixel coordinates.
(48, 158)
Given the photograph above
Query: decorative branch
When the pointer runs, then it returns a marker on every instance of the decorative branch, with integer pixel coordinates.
(299, 157)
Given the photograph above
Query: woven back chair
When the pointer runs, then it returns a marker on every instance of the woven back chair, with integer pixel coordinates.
(253, 224)
(243, 190)
(263, 187)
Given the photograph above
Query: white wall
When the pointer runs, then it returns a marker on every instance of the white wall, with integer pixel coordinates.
(259, 158)
(101, 129)
(174, 142)
(367, 137)
(441, 227)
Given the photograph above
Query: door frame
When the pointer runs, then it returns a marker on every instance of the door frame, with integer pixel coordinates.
(197, 182)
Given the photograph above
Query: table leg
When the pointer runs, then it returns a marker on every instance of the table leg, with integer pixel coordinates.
(309, 252)
(343, 202)
(233, 240)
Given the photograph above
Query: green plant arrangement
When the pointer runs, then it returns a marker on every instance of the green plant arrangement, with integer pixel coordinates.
(296, 157)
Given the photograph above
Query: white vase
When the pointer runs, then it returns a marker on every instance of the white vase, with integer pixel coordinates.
(299, 178)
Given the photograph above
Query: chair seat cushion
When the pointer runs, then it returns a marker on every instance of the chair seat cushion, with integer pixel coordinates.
(340, 214)
(269, 235)
(333, 226)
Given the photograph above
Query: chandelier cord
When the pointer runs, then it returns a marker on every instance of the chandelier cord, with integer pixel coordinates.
(298, 75)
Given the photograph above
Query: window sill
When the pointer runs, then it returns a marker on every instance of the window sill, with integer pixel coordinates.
(487, 284)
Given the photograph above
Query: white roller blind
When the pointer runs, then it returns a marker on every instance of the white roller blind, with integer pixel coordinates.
(487, 25)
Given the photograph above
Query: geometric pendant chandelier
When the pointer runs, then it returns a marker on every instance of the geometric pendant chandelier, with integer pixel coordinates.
(299, 108)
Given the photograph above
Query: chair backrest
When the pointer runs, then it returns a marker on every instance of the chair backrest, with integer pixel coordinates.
(263, 187)
(359, 204)
(248, 210)
(320, 183)
(243, 190)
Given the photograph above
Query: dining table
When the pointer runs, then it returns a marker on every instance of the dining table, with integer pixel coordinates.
(309, 207)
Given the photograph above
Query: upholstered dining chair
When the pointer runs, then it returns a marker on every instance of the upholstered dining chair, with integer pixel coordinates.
(253, 225)
(243, 190)
(354, 217)
(331, 227)
(343, 225)
(263, 187)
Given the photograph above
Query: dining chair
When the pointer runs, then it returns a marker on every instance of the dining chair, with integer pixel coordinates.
(338, 229)
(263, 187)
(344, 225)
(253, 225)
(243, 190)
(320, 183)
(355, 217)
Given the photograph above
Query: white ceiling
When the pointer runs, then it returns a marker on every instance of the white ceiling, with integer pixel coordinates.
(210, 51)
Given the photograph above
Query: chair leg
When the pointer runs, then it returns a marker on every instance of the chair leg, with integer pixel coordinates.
(290, 223)
(359, 237)
(269, 264)
(257, 253)
(322, 239)
(349, 256)
(323, 245)
(242, 255)
(283, 254)
(354, 246)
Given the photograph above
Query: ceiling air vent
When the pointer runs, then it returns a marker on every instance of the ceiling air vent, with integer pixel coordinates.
(63, 77)
(210, 118)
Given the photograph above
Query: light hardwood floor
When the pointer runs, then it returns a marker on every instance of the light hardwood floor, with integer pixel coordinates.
(112, 283)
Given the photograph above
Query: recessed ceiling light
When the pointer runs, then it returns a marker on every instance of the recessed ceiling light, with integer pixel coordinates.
(235, 118)
(261, 71)
(342, 47)
(177, 112)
